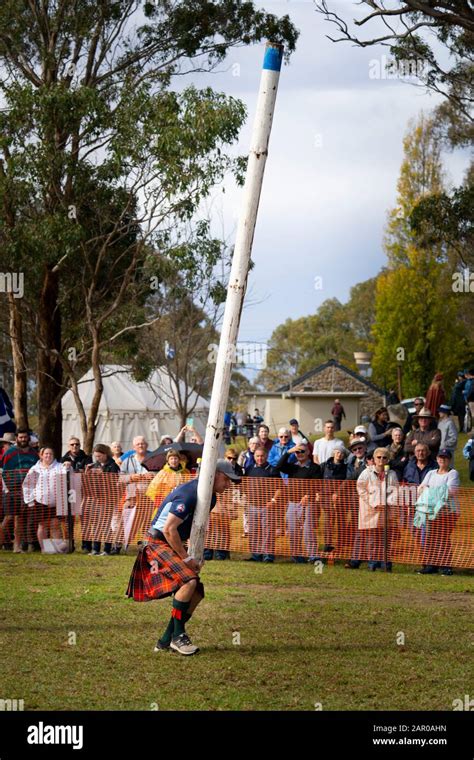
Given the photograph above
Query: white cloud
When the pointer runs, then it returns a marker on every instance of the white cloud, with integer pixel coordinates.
(334, 159)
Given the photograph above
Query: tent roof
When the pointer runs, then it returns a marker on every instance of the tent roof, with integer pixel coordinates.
(122, 393)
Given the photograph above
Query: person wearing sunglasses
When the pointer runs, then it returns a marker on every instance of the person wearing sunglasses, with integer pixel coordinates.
(302, 514)
(411, 422)
(76, 456)
(377, 488)
(231, 455)
(280, 445)
(264, 511)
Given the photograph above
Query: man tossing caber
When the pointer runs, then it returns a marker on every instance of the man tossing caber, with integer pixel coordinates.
(163, 566)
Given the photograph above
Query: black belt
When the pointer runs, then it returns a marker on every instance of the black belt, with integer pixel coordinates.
(156, 534)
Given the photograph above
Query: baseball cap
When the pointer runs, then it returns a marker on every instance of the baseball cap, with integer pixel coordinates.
(293, 421)
(444, 408)
(224, 466)
(445, 453)
(360, 429)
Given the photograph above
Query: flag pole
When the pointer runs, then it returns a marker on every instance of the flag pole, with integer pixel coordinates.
(236, 288)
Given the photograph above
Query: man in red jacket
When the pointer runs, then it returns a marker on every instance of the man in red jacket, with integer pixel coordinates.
(338, 413)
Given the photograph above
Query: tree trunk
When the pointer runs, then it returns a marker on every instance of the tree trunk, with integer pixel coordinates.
(99, 388)
(20, 378)
(80, 411)
(49, 370)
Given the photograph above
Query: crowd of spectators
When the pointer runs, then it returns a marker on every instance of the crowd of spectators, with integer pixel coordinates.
(379, 457)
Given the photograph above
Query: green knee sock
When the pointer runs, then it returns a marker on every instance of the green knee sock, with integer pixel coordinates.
(169, 630)
(178, 614)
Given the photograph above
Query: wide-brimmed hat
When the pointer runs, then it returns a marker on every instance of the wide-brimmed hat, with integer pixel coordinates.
(357, 442)
(425, 413)
(8, 438)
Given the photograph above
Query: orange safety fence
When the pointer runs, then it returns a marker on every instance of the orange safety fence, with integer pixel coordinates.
(266, 517)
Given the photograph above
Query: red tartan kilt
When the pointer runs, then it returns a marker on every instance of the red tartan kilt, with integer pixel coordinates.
(158, 572)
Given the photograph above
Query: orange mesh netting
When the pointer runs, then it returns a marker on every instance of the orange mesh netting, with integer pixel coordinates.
(298, 518)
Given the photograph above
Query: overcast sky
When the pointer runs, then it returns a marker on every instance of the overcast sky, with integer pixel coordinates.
(334, 159)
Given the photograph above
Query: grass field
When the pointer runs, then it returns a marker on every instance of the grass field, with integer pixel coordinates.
(306, 639)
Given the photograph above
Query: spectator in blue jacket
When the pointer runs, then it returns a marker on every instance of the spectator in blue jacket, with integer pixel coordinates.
(468, 453)
(418, 467)
(283, 443)
(468, 391)
(245, 459)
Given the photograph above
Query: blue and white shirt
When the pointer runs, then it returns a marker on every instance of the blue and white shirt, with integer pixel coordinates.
(181, 502)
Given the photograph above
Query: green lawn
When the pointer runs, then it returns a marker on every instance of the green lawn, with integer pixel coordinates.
(305, 638)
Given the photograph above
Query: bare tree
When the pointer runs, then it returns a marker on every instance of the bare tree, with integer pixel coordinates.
(405, 26)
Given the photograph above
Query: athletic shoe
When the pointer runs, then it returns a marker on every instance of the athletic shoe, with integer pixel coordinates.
(447, 571)
(268, 560)
(93, 553)
(160, 647)
(428, 570)
(183, 645)
(104, 554)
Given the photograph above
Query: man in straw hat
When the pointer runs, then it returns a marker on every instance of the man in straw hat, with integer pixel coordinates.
(432, 438)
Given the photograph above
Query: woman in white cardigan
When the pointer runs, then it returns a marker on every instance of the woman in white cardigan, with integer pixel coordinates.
(377, 489)
(45, 491)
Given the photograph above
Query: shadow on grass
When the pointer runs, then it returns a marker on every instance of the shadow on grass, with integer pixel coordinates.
(285, 648)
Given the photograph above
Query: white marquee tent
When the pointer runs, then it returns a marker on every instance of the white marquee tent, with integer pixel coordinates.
(128, 408)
